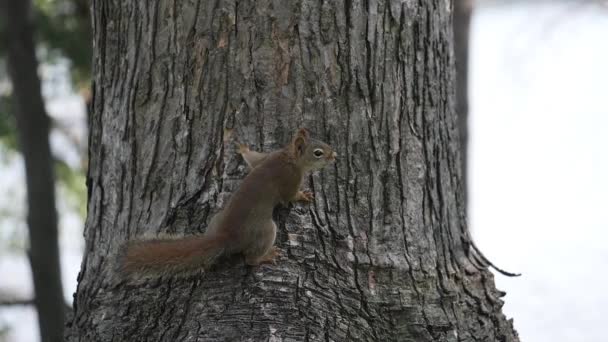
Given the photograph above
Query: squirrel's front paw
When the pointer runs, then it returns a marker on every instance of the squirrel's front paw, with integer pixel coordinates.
(305, 196)
(268, 258)
(272, 254)
(241, 148)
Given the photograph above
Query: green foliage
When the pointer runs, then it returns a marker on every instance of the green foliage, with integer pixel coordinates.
(64, 27)
(8, 128)
(4, 330)
(12, 217)
(73, 180)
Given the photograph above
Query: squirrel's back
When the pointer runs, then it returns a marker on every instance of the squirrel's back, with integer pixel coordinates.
(274, 181)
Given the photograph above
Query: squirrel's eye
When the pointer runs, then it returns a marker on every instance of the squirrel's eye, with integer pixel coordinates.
(318, 153)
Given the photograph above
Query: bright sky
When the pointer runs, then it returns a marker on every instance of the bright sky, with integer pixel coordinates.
(539, 163)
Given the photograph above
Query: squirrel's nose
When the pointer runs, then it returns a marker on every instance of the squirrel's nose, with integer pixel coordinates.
(334, 155)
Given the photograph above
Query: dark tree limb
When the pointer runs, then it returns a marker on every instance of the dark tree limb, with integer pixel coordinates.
(33, 132)
(16, 301)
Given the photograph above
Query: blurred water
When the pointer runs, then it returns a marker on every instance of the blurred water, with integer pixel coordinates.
(538, 180)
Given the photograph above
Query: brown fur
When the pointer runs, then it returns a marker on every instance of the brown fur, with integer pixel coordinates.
(245, 224)
(174, 255)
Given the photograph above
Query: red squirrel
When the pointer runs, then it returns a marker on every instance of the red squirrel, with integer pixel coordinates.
(245, 224)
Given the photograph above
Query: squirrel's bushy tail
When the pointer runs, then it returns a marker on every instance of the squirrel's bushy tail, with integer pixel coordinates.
(170, 256)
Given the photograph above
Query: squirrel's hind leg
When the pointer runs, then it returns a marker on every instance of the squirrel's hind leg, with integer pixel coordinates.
(262, 249)
(270, 256)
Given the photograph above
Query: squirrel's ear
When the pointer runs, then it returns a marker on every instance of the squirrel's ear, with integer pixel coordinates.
(299, 141)
(298, 146)
(302, 132)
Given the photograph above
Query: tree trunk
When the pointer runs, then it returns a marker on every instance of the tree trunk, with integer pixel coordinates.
(33, 131)
(462, 23)
(382, 254)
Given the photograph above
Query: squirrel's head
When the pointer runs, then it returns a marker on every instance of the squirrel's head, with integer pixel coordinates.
(310, 153)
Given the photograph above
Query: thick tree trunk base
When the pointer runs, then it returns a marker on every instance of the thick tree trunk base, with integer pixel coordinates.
(381, 254)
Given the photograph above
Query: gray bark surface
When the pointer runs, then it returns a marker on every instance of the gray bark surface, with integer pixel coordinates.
(382, 254)
(462, 23)
(33, 133)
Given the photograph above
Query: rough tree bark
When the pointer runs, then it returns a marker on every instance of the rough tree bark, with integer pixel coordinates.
(33, 132)
(383, 252)
(462, 23)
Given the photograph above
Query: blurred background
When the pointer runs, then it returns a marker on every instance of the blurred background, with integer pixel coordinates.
(537, 162)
